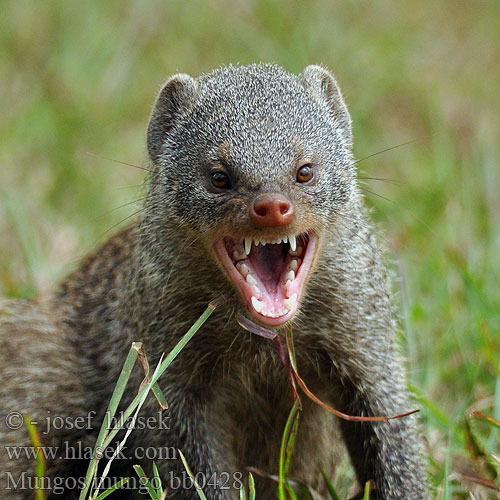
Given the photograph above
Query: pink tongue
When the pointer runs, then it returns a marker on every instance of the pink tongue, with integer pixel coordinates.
(268, 262)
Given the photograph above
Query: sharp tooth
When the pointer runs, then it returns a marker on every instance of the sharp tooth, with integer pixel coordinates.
(248, 245)
(293, 242)
(286, 288)
(290, 276)
(294, 264)
(296, 253)
(290, 303)
(257, 304)
(243, 269)
(250, 279)
(285, 239)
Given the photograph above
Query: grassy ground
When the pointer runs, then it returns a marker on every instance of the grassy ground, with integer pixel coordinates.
(80, 78)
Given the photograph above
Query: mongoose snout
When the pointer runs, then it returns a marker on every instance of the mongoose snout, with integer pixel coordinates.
(271, 210)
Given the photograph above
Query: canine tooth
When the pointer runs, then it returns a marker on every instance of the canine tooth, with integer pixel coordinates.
(290, 276)
(248, 245)
(286, 287)
(296, 253)
(289, 303)
(250, 279)
(243, 269)
(293, 242)
(257, 304)
(294, 264)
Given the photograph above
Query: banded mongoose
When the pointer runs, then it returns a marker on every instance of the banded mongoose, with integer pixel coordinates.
(253, 192)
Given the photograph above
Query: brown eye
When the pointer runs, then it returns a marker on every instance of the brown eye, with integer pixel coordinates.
(220, 180)
(305, 173)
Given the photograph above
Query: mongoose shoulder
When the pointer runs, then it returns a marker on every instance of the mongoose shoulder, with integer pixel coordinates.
(253, 192)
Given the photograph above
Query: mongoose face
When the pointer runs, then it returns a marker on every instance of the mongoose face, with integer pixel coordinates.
(256, 162)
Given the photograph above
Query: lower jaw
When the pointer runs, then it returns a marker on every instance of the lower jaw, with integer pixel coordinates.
(273, 322)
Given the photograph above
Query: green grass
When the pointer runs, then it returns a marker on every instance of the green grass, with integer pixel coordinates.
(81, 78)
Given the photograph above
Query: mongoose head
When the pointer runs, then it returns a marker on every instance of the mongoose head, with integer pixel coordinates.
(257, 164)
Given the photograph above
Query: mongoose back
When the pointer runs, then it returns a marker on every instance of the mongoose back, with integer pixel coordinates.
(253, 192)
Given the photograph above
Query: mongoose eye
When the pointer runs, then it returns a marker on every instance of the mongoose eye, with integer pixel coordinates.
(220, 180)
(305, 174)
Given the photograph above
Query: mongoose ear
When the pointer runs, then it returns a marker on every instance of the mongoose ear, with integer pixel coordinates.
(323, 86)
(176, 99)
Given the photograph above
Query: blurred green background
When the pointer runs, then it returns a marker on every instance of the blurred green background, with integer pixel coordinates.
(77, 83)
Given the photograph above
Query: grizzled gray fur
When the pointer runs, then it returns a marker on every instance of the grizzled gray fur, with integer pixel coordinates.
(217, 144)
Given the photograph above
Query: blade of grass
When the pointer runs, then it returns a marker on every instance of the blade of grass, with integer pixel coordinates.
(329, 486)
(164, 365)
(251, 487)
(191, 475)
(110, 413)
(145, 481)
(105, 434)
(243, 495)
(156, 475)
(40, 459)
(481, 416)
(291, 493)
(148, 374)
(305, 494)
(366, 495)
(113, 488)
(283, 461)
(129, 431)
(291, 443)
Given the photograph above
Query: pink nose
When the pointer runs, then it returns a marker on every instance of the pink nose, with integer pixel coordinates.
(271, 210)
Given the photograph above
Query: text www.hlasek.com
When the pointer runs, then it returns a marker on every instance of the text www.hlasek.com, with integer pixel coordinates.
(79, 451)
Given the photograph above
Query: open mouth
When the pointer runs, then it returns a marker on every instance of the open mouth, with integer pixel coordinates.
(269, 274)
